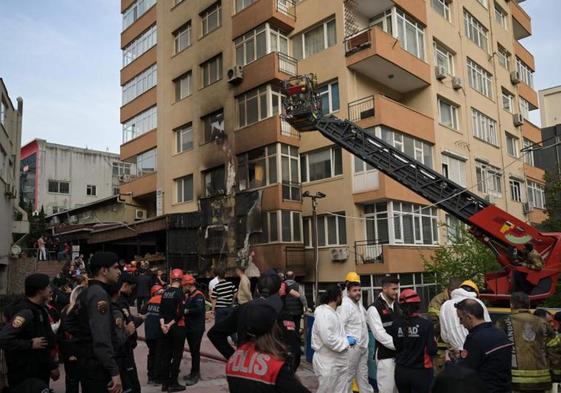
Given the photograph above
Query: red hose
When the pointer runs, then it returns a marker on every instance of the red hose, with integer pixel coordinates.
(203, 354)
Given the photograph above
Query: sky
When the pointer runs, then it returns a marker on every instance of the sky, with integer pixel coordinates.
(63, 57)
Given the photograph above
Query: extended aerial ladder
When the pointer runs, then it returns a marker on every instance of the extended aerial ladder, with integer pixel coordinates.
(503, 233)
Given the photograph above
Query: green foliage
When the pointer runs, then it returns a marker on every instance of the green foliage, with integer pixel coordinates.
(552, 203)
(465, 257)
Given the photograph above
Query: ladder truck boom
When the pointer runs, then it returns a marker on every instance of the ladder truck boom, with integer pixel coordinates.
(504, 234)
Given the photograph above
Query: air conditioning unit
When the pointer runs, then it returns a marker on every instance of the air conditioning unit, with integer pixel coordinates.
(489, 198)
(457, 83)
(526, 208)
(514, 77)
(440, 72)
(518, 119)
(140, 214)
(235, 74)
(339, 254)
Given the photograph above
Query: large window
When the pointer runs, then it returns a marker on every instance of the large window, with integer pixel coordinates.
(315, 40)
(504, 57)
(184, 189)
(484, 127)
(529, 152)
(443, 57)
(329, 97)
(508, 101)
(501, 16)
(211, 18)
(259, 42)
(140, 84)
(214, 182)
(512, 145)
(442, 7)
(290, 173)
(257, 105)
(183, 86)
(475, 31)
(211, 70)
(413, 147)
(407, 30)
(146, 162)
(135, 11)
(321, 164)
(488, 179)
(257, 168)
(376, 223)
(182, 38)
(140, 124)
(480, 79)
(183, 138)
(447, 114)
(526, 74)
(454, 169)
(121, 168)
(281, 225)
(59, 187)
(332, 230)
(213, 125)
(413, 224)
(515, 190)
(536, 195)
(524, 108)
(140, 45)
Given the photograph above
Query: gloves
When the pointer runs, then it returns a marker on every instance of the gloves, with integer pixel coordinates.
(351, 340)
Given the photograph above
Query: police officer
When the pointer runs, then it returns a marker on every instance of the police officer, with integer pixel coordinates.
(123, 331)
(27, 338)
(194, 325)
(98, 369)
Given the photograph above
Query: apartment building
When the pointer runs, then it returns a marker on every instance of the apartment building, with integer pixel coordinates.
(550, 106)
(448, 82)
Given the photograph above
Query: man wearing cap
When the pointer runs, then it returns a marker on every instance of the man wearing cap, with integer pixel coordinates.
(451, 330)
(27, 339)
(98, 369)
(194, 325)
(152, 330)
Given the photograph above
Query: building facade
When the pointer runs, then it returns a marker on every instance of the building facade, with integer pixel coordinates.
(550, 106)
(58, 177)
(447, 82)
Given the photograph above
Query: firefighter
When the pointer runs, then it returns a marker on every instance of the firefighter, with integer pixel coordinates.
(530, 336)
(194, 325)
(152, 330)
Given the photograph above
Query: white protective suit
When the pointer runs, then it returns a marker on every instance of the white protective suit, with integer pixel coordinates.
(451, 331)
(330, 345)
(353, 318)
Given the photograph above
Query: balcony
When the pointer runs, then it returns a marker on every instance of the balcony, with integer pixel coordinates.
(369, 251)
(374, 257)
(281, 13)
(370, 8)
(139, 104)
(274, 66)
(136, 144)
(531, 132)
(139, 25)
(282, 197)
(380, 57)
(529, 94)
(138, 65)
(524, 55)
(139, 186)
(521, 22)
(271, 130)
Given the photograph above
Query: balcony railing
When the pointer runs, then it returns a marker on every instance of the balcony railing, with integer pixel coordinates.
(361, 109)
(287, 64)
(288, 130)
(297, 256)
(358, 42)
(287, 7)
(291, 191)
(369, 251)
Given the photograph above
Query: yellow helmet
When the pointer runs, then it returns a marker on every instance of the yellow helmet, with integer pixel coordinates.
(352, 277)
(471, 284)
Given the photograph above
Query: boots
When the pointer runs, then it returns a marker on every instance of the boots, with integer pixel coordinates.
(175, 387)
(192, 379)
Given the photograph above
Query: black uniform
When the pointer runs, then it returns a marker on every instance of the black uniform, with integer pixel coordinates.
(127, 364)
(387, 315)
(27, 320)
(171, 345)
(122, 347)
(195, 327)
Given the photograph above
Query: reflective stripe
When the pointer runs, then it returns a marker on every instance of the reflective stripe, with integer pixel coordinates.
(555, 371)
(433, 310)
(531, 376)
(554, 342)
(386, 324)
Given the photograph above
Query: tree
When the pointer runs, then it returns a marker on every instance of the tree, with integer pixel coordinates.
(552, 203)
(465, 257)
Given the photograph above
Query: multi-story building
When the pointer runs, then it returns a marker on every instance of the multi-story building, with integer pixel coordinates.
(447, 82)
(550, 106)
(58, 177)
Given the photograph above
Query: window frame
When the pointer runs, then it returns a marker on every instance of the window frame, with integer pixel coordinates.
(324, 240)
(331, 97)
(327, 42)
(183, 32)
(208, 133)
(179, 138)
(145, 121)
(183, 82)
(269, 156)
(507, 101)
(445, 13)
(454, 114)
(140, 45)
(59, 184)
(441, 51)
(480, 79)
(205, 15)
(536, 195)
(529, 158)
(484, 128)
(525, 72)
(488, 178)
(91, 190)
(476, 31)
(219, 70)
(501, 16)
(511, 143)
(180, 189)
(145, 157)
(515, 186)
(503, 57)
(295, 222)
(140, 84)
(450, 162)
(305, 168)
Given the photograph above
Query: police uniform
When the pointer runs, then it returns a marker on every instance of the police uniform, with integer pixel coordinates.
(28, 320)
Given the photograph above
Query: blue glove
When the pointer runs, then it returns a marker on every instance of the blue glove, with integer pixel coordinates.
(351, 340)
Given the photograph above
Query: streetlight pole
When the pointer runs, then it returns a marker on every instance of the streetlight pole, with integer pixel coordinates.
(314, 199)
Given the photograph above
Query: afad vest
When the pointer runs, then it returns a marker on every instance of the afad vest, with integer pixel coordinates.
(388, 316)
(249, 365)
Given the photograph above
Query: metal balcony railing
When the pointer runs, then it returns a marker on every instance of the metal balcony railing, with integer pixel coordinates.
(369, 251)
(361, 109)
(287, 64)
(287, 7)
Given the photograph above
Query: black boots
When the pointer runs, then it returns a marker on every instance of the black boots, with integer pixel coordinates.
(192, 379)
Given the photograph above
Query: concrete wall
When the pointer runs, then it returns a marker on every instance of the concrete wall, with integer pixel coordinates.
(550, 106)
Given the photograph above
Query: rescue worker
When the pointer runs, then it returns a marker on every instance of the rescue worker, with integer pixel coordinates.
(330, 344)
(194, 325)
(353, 317)
(295, 306)
(152, 331)
(532, 260)
(27, 338)
(487, 349)
(172, 324)
(380, 316)
(530, 336)
(98, 369)
(258, 365)
(350, 277)
(451, 330)
(415, 346)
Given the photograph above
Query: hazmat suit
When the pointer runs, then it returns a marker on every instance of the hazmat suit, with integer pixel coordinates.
(330, 345)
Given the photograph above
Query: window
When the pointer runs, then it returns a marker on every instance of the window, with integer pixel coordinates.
(484, 3)
(447, 114)
(442, 7)
(254, 44)
(183, 86)
(525, 73)
(504, 57)
(241, 4)
(290, 227)
(270, 227)
(184, 187)
(121, 168)
(413, 147)
(184, 138)
(329, 97)
(479, 79)
(140, 84)
(257, 168)
(515, 190)
(211, 18)
(290, 173)
(315, 40)
(59, 187)
(536, 195)
(414, 224)
(215, 182)
(443, 57)
(488, 179)
(146, 162)
(182, 38)
(376, 222)
(135, 11)
(512, 145)
(524, 108)
(213, 125)
(475, 31)
(140, 124)
(484, 127)
(321, 164)
(2, 112)
(212, 70)
(257, 105)
(410, 34)
(116, 191)
(453, 228)
(140, 45)
(501, 16)
(454, 169)
(332, 230)
(508, 101)
(529, 152)
(91, 190)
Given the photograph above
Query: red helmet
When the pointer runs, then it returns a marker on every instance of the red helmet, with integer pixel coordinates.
(187, 279)
(176, 274)
(155, 289)
(409, 296)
